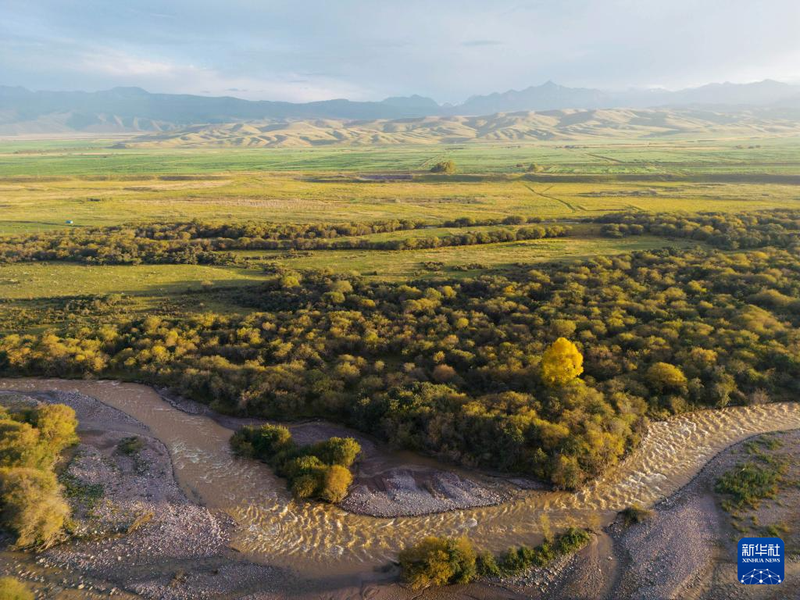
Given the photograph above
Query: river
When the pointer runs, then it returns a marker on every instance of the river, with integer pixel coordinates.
(322, 539)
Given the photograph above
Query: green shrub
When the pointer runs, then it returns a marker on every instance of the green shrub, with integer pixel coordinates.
(20, 445)
(439, 561)
(635, 514)
(130, 446)
(305, 486)
(337, 451)
(572, 540)
(12, 589)
(749, 483)
(487, 566)
(56, 424)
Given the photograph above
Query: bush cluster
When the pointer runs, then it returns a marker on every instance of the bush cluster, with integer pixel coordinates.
(320, 471)
(436, 561)
(32, 507)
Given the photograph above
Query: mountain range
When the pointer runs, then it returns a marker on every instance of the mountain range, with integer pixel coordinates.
(130, 110)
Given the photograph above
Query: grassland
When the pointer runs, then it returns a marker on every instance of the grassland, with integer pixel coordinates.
(595, 156)
(45, 183)
(27, 281)
(459, 261)
(31, 204)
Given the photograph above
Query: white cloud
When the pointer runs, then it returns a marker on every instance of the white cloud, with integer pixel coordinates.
(169, 76)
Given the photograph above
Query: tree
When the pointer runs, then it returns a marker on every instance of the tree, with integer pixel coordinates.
(20, 445)
(438, 561)
(56, 424)
(664, 376)
(32, 507)
(448, 167)
(337, 482)
(337, 451)
(561, 363)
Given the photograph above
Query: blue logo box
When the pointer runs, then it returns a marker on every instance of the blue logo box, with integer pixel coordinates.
(761, 561)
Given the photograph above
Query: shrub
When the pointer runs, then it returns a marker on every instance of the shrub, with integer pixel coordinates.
(305, 486)
(19, 445)
(337, 451)
(572, 540)
(32, 507)
(486, 565)
(12, 589)
(130, 446)
(336, 483)
(749, 483)
(57, 425)
(439, 561)
(635, 514)
(448, 167)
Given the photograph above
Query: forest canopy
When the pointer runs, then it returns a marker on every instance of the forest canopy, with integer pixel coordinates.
(550, 370)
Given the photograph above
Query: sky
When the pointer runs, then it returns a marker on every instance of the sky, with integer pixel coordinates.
(304, 50)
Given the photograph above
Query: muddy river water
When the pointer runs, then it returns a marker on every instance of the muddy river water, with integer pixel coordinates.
(317, 538)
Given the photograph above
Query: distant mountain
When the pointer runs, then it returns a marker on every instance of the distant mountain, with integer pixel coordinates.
(565, 125)
(130, 109)
(552, 96)
(549, 96)
(134, 109)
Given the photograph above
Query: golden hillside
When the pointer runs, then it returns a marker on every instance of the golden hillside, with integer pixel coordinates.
(562, 125)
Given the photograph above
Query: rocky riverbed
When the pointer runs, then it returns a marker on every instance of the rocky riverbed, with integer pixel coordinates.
(134, 530)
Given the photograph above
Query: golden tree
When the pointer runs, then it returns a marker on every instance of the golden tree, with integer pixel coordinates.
(561, 363)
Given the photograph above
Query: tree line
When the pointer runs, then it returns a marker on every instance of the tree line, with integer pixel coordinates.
(197, 243)
(778, 228)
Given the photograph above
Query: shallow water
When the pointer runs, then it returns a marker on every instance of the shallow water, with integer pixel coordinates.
(323, 539)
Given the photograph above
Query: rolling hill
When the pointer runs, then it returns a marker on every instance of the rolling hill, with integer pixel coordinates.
(565, 125)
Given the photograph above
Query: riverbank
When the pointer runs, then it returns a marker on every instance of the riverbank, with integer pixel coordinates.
(133, 528)
(388, 483)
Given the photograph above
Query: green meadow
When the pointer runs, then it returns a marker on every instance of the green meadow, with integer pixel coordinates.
(46, 184)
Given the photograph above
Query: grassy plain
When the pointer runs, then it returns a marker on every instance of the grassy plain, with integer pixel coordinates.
(458, 261)
(44, 184)
(37, 204)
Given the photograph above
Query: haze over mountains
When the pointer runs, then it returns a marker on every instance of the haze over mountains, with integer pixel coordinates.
(130, 110)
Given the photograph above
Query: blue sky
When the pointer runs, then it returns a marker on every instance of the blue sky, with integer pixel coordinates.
(369, 49)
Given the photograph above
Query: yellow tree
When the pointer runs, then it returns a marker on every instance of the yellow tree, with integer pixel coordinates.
(561, 363)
